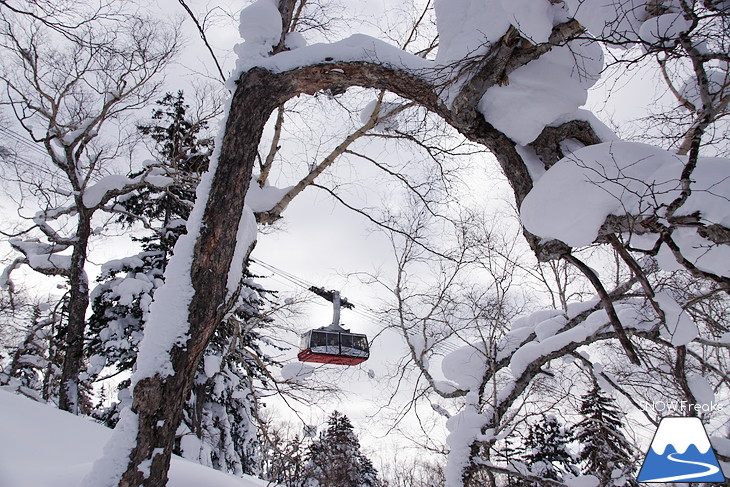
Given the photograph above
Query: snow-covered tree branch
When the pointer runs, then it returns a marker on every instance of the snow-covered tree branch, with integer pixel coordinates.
(64, 96)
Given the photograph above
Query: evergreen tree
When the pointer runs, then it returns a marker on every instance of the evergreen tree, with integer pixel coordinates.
(33, 368)
(121, 299)
(605, 452)
(335, 459)
(546, 449)
(183, 155)
(29, 362)
(217, 429)
(126, 286)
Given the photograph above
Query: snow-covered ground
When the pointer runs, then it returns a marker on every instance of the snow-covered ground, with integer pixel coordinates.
(41, 446)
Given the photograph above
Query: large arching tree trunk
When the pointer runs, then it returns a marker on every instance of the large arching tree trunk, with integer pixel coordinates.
(158, 400)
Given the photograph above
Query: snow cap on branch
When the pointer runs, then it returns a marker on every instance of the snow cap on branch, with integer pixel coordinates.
(539, 93)
(260, 23)
(260, 26)
(465, 366)
(573, 199)
(43, 257)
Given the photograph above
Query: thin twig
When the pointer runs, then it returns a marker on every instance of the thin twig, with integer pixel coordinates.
(607, 306)
(201, 31)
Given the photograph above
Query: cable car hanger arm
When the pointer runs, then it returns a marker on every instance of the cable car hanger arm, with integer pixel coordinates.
(330, 296)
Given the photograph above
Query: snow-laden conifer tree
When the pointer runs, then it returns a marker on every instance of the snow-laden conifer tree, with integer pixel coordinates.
(546, 450)
(31, 369)
(335, 458)
(126, 286)
(221, 417)
(604, 450)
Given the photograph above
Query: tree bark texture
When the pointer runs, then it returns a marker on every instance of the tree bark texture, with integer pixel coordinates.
(78, 302)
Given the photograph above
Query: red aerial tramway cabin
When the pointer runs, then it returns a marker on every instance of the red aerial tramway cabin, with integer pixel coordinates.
(333, 344)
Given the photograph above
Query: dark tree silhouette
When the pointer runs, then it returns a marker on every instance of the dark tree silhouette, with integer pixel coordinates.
(546, 449)
(605, 452)
(335, 458)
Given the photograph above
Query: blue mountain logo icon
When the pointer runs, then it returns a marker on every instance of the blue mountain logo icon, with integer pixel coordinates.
(680, 452)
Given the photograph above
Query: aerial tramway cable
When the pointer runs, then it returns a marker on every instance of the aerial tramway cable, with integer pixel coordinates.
(309, 286)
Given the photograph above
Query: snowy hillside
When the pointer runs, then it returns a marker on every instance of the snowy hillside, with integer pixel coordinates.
(41, 446)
